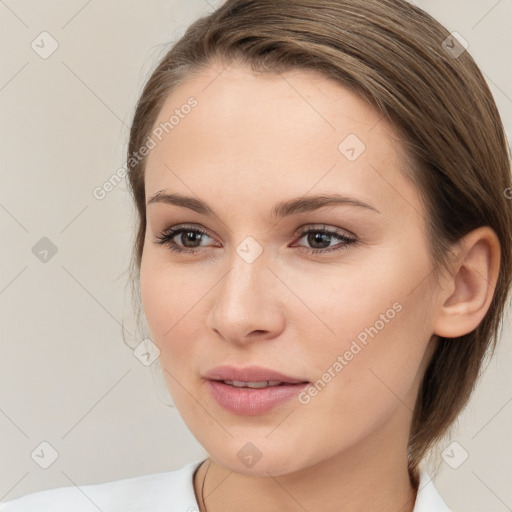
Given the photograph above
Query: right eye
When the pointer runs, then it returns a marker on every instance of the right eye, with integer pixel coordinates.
(192, 234)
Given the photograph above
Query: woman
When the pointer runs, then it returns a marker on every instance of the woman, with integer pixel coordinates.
(323, 253)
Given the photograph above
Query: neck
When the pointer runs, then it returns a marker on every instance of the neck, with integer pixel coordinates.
(372, 476)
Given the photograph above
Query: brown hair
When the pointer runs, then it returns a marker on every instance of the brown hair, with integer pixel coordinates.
(398, 57)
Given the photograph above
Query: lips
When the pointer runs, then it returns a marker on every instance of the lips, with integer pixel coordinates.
(250, 374)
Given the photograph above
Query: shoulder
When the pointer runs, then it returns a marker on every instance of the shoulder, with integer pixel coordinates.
(157, 492)
(428, 498)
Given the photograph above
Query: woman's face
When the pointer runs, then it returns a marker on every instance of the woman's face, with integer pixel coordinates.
(354, 318)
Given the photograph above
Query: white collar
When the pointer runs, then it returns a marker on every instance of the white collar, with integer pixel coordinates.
(158, 492)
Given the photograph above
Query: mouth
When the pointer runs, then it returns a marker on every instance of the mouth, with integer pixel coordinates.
(252, 390)
(251, 376)
(260, 384)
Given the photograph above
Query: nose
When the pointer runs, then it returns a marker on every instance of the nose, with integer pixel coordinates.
(248, 306)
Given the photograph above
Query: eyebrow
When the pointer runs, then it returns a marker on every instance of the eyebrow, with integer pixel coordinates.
(281, 209)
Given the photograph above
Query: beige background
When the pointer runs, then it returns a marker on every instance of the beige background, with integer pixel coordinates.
(66, 377)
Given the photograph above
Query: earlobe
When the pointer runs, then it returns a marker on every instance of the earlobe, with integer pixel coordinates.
(471, 285)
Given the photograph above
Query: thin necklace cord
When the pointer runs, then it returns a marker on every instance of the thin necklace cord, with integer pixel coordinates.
(202, 487)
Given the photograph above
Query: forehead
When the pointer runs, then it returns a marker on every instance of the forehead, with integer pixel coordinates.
(237, 95)
(275, 133)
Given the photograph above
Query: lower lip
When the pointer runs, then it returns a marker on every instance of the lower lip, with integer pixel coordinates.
(250, 401)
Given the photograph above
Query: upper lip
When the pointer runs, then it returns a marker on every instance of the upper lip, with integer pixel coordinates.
(249, 374)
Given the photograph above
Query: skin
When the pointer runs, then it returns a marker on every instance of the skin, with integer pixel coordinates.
(251, 142)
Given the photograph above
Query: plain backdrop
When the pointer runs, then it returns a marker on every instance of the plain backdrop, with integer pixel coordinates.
(66, 376)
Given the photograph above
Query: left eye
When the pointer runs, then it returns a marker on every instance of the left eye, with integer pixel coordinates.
(194, 235)
(321, 236)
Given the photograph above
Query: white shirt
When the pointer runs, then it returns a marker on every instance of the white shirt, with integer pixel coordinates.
(172, 491)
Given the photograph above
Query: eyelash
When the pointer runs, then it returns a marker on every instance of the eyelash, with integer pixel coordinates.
(165, 238)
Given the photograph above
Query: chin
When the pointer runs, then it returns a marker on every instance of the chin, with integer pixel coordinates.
(256, 460)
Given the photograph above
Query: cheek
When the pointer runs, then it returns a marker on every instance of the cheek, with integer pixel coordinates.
(160, 297)
(380, 326)
(369, 371)
(155, 302)
(172, 302)
(349, 301)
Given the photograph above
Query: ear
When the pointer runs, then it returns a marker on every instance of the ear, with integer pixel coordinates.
(470, 287)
